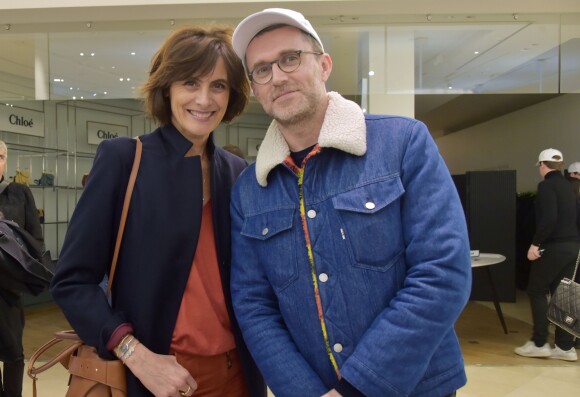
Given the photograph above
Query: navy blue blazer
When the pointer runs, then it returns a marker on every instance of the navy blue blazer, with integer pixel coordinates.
(158, 247)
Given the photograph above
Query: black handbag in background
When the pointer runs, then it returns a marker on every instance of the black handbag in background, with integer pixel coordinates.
(564, 308)
(25, 266)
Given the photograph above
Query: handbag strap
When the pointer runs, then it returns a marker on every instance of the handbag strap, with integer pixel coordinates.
(576, 268)
(130, 186)
(63, 357)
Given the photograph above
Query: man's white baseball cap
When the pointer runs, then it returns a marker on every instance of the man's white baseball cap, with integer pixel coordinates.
(550, 155)
(253, 24)
(574, 167)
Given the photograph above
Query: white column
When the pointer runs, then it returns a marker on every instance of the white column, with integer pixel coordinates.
(392, 63)
(41, 67)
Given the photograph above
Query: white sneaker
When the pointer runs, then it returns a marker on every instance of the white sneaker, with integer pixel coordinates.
(529, 349)
(566, 355)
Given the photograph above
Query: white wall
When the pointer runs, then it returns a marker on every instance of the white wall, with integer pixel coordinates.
(513, 141)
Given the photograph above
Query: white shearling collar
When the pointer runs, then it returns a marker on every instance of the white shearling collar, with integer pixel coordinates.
(343, 128)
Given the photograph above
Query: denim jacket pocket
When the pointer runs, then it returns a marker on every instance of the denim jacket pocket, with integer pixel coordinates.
(370, 217)
(273, 232)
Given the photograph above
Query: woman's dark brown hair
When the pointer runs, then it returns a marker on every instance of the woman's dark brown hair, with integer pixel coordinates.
(193, 52)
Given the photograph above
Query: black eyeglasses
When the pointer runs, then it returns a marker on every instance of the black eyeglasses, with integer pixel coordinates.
(287, 63)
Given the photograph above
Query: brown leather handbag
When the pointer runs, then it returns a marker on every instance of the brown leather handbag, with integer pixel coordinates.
(90, 375)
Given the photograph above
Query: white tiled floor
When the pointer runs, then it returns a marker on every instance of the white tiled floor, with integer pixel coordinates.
(489, 381)
(531, 378)
(521, 381)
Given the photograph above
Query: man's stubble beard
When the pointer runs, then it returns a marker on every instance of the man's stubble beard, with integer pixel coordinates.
(292, 115)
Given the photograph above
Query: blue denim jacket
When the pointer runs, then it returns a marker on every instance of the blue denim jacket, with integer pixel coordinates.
(388, 260)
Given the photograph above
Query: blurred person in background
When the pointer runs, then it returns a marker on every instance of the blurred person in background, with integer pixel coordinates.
(16, 204)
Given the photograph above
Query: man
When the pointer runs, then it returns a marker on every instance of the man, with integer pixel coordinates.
(574, 177)
(351, 258)
(553, 253)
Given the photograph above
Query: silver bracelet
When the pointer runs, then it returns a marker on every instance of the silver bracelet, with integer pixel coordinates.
(129, 352)
(124, 346)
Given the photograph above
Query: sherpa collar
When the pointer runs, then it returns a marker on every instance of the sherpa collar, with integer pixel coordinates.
(343, 128)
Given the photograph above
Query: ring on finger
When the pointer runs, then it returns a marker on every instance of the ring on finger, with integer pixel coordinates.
(186, 392)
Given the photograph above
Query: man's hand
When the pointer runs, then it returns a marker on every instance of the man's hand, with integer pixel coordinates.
(534, 252)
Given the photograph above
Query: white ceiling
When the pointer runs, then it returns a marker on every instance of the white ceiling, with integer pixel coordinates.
(518, 54)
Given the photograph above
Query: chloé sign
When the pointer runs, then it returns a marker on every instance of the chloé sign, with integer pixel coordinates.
(98, 132)
(21, 121)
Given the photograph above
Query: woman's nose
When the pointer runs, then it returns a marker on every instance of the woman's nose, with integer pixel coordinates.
(203, 96)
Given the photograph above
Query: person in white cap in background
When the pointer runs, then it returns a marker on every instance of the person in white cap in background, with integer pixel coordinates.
(574, 177)
(553, 254)
(350, 251)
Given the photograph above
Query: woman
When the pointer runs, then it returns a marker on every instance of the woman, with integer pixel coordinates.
(16, 204)
(171, 320)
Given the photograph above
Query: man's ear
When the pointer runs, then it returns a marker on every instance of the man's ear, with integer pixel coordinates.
(326, 66)
(252, 87)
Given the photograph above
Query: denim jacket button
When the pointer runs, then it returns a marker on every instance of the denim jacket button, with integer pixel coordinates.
(311, 214)
(337, 347)
(265, 231)
(370, 205)
(323, 277)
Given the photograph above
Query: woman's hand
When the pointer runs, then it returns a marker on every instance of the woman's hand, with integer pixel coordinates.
(161, 374)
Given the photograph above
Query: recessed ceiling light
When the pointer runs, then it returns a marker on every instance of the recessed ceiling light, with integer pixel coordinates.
(120, 79)
(92, 54)
(82, 54)
(476, 52)
(132, 53)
